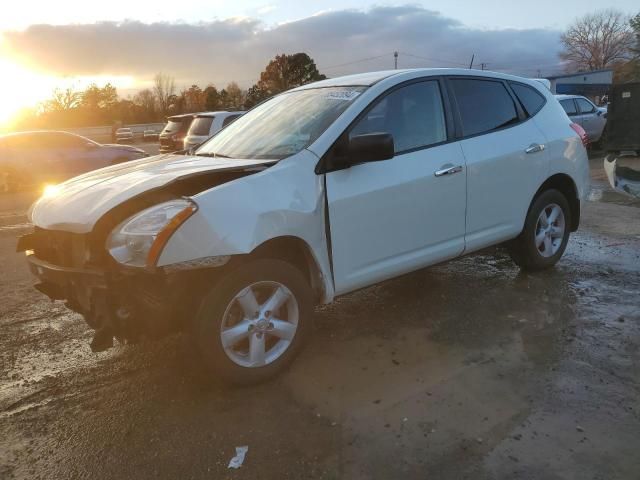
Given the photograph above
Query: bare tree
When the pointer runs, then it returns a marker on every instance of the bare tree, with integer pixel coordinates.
(164, 88)
(62, 100)
(146, 99)
(235, 96)
(599, 40)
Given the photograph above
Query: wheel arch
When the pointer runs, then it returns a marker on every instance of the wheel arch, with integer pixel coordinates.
(567, 186)
(297, 252)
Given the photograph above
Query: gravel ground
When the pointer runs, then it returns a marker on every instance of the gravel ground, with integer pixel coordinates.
(471, 369)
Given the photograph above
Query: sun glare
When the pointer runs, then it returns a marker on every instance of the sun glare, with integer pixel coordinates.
(22, 87)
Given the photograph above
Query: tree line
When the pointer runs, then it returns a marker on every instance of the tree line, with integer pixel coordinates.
(103, 106)
(604, 39)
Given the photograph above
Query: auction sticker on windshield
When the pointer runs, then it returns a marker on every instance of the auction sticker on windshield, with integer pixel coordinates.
(344, 95)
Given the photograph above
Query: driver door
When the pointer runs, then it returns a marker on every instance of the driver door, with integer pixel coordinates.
(395, 216)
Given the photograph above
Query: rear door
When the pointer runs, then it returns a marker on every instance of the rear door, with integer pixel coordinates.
(592, 123)
(395, 216)
(505, 156)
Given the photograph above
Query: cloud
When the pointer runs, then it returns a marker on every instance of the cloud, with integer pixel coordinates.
(266, 9)
(238, 49)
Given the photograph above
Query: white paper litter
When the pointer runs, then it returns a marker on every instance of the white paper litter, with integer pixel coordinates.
(236, 462)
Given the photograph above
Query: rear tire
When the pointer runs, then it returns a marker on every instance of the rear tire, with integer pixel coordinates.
(254, 321)
(546, 232)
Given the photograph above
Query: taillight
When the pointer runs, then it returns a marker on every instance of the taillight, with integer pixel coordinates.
(581, 133)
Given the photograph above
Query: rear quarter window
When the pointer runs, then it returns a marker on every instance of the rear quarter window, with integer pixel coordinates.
(229, 119)
(530, 99)
(484, 105)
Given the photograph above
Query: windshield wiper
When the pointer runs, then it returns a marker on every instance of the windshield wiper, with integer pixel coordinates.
(212, 155)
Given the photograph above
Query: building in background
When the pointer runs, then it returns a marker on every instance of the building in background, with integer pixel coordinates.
(593, 84)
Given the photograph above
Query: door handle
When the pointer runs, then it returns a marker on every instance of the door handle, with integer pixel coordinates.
(534, 148)
(448, 171)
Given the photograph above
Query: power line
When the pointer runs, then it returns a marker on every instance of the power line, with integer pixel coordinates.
(436, 60)
(357, 61)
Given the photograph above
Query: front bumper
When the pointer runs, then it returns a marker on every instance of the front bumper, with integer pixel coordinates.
(66, 283)
(115, 301)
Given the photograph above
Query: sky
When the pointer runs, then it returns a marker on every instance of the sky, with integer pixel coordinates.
(45, 44)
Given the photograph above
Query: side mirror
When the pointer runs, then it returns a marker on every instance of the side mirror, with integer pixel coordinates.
(370, 147)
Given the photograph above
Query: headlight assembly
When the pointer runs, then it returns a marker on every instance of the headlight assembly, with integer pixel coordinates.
(139, 240)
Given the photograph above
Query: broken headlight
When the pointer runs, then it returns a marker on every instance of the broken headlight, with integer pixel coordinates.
(139, 240)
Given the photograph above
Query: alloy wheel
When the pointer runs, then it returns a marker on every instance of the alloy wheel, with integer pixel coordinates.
(259, 324)
(550, 230)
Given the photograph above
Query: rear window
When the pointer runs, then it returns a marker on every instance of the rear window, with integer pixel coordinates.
(530, 99)
(484, 105)
(175, 125)
(201, 126)
(569, 106)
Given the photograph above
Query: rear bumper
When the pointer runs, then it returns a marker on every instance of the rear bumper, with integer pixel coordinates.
(167, 146)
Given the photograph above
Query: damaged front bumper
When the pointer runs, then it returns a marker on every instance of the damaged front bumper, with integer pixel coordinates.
(118, 302)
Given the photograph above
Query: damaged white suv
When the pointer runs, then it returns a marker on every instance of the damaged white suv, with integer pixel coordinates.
(315, 193)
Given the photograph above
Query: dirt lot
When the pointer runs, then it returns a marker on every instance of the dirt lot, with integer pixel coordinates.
(467, 370)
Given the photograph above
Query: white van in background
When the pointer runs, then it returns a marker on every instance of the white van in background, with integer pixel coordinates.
(204, 125)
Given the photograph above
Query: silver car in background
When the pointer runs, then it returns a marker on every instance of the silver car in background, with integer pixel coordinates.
(583, 111)
(205, 124)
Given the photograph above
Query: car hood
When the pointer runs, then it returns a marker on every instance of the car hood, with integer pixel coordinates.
(77, 204)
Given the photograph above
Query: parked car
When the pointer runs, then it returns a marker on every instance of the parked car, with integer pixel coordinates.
(31, 159)
(315, 193)
(172, 137)
(585, 113)
(124, 135)
(150, 135)
(204, 125)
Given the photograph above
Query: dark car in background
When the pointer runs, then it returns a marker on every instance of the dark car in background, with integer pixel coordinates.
(30, 160)
(172, 137)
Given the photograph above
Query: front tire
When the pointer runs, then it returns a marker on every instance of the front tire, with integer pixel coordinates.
(546, 232)
(254, 321)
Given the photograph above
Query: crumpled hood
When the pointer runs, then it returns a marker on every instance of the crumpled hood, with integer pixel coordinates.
(77, 204)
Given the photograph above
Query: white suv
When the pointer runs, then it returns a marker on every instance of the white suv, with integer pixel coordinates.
(313, 194)
(204, 125)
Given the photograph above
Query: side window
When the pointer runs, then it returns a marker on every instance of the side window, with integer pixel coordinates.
(531, 100)
(585, 106)
(569, 106)
(484, 105)
(413, 114)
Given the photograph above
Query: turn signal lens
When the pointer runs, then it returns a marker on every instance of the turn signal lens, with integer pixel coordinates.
(165, 234)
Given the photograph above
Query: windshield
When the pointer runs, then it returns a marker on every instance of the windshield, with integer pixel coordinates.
(282, 126)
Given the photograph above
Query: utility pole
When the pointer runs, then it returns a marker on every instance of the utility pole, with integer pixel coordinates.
(395, 57)
(471, 64)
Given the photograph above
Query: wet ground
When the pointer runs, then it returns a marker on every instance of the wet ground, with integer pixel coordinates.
(471, 369)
